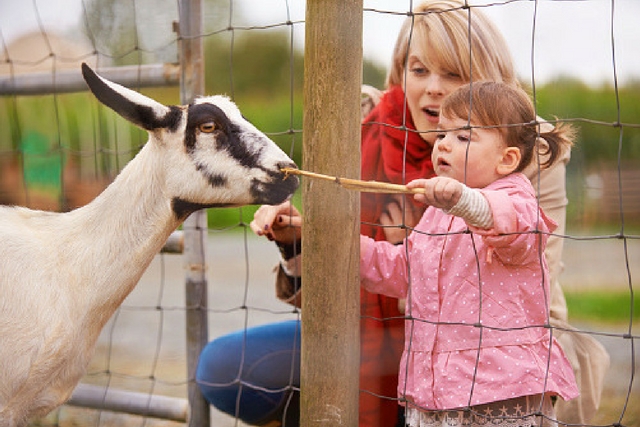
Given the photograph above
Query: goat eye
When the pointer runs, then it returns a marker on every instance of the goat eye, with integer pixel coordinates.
(207, 127)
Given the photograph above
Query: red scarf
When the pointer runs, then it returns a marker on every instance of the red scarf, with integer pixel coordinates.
(383, 154)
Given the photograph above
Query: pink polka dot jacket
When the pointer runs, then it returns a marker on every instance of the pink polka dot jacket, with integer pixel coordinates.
(477, 304)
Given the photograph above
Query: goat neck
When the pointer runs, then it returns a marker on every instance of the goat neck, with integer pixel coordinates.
(127, 225)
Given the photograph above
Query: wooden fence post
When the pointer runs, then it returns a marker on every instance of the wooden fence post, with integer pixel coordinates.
(330, 355)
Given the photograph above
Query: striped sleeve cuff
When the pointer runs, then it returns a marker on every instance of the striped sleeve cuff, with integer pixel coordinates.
(474, 208)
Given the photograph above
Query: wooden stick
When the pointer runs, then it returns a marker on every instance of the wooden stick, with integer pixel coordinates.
(356, 184)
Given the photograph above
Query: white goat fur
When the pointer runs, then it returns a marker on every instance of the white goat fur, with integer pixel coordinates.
(62, 275)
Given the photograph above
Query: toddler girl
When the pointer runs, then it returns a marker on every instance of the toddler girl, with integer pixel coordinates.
(478, 348)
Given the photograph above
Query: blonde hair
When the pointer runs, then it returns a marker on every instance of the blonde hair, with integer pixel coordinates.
(459, 39)
(510, 110)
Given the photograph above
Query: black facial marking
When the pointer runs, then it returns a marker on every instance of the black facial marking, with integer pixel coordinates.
(238, 148)
(171, 120)
(198, 114)
(183, 208)
(215, 180)
(229, 136)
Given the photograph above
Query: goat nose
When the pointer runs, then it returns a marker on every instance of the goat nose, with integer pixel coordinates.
(278, 188)
(286, 165)
(284, 168)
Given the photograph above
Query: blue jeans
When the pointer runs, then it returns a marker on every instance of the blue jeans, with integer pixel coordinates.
(251, 374)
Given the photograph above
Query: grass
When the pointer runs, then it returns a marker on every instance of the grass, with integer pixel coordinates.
(603, 306)
(609, 309)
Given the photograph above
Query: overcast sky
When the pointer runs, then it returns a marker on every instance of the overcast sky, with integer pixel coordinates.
(572, 38)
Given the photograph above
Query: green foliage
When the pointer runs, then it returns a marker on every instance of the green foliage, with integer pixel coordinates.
(256, 65)
(261, 73)
(596, 112)
(265, 77)
(372, 74)
(602, 305)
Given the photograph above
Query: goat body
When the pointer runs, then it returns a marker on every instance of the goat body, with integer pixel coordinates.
(62, 275)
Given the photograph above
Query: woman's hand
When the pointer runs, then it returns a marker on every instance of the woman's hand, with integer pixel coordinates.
(281, 223)
(393, 216)
(440, 192)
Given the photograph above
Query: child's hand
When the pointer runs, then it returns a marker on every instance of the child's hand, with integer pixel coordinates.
(440, 192)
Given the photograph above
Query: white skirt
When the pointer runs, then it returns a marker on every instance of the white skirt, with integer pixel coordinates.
(527, 411)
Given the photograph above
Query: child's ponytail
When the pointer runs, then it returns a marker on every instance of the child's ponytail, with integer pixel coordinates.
(558, 140)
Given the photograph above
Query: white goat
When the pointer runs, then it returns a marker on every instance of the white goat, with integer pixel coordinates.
(62, 275)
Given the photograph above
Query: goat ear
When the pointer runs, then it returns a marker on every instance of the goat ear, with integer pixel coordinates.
(133, 106)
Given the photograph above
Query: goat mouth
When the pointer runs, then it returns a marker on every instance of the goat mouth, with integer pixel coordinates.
(274, 191)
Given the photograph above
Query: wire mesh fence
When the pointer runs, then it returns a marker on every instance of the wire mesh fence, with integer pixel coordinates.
(59, 149)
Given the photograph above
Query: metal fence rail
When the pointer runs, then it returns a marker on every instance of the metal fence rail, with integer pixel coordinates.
(66, 81)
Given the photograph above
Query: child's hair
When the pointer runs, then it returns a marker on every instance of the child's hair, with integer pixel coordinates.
(510, 110)
(459, 40)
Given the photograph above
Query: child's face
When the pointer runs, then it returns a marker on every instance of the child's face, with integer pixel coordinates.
(425, 90)
(471, 156)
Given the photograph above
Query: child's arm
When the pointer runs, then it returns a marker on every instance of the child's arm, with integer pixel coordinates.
(455, 198)
(383, 267)
(507, 217)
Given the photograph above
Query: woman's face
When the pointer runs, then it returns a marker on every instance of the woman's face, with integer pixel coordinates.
(425, 90)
